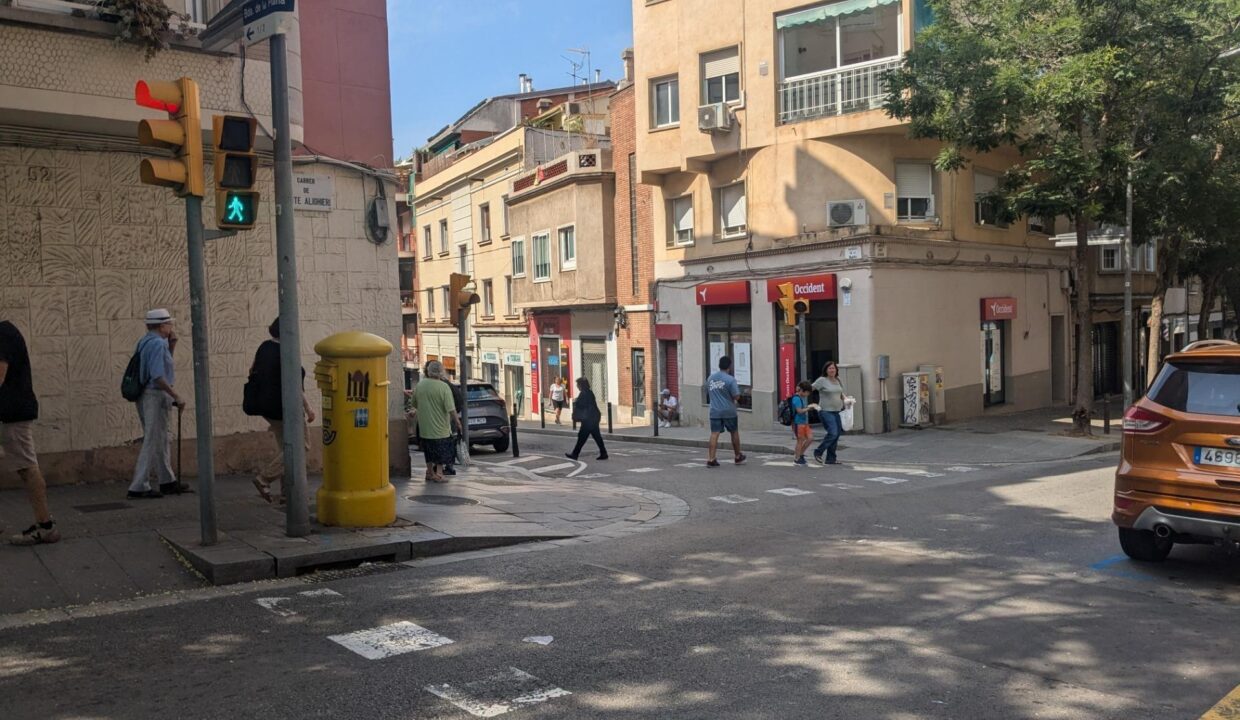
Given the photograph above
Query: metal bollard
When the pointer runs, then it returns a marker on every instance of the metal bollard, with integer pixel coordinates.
(542, 417)
(512, 435)
(1106, 414)
(655, 424)
(608, 418)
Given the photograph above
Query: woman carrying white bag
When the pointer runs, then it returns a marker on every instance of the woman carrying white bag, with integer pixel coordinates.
(832, 404)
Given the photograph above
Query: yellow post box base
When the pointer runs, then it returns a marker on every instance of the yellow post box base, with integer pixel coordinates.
(357, 508)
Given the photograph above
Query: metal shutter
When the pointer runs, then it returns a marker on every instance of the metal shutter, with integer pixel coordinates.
(913, 180)
(720, 63)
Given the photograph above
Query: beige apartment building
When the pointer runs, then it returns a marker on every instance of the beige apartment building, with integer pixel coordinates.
(86, 249)
(772, 162)
(463, 225)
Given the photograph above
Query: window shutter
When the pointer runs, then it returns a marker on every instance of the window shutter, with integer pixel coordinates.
(913, 180)
(733, 198)
(720, 63)
(684, 213)
(983, 183)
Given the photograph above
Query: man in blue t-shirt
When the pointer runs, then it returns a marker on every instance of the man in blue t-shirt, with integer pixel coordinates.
(723, 391)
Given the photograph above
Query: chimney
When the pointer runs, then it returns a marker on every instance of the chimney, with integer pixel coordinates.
(627, 58)
(598, 74)
(521, 82)
(527, 83)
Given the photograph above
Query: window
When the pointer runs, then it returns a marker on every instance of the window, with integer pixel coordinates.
(518, 257)
(914, 191)
(447, 302)
(1042, 225)
(443, 236)
(462, 258)
(508, 296)
(986, 209)
(680, 216)
(1110, 258)
(666, 102)
(430, 304)
(731, 204)
(822, 38)
(721, 76)
(568, 248)
(505, 200)
(541, 250)
(488, 299)
(1199, 387)
(426, 241)
(1150, 251)
(729, 332)
(484, 221)
(405, 270)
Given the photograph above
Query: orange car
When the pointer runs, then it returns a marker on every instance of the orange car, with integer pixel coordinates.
(1179, 474)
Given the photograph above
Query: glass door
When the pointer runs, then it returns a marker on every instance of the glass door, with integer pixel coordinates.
(993, 351)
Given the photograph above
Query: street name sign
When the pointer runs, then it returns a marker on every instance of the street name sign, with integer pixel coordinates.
(264, 18)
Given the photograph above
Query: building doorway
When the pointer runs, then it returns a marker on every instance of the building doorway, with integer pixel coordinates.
(594, 366)
(994, 349)
(514, 388)
(639, 382)
(1059, 361)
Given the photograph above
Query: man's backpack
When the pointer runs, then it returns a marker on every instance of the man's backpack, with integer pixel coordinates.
(131, 382)
(786, 413)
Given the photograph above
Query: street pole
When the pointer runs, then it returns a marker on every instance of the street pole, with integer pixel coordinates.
(1126, 335)
(297, 513)
(202, 370)
(462, 367)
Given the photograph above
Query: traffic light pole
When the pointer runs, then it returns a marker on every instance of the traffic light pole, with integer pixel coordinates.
(462, 367)
(202, 371)
(297, 513)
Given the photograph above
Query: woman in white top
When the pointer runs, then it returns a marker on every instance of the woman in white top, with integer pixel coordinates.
(830, 402)
(557, 398)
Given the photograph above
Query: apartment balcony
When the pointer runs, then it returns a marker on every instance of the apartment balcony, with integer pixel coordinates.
(408, 302)
(854, 88)
(409, 353)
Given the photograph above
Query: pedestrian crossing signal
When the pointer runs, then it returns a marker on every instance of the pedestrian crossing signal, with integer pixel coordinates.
(236, 171)
(236, 209)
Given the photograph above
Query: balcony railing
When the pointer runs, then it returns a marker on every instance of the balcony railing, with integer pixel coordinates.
(835, 92)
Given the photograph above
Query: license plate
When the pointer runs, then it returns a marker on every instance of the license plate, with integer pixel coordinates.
(478, 421)
(1217, 456)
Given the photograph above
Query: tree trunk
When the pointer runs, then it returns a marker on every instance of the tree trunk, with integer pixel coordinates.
(1209, 291)
(1231, 290)
(1082, 307)
(1168, 263)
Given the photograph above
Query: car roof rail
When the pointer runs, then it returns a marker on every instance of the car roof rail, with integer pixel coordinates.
(1208, 344)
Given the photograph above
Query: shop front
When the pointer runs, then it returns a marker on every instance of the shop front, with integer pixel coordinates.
(804, 350)
(727, 322)
(997, 316)
(550, 355)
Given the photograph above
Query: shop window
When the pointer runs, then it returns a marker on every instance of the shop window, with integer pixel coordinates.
(729, 332)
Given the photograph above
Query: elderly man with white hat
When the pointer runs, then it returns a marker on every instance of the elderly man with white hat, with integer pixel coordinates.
(159, 396)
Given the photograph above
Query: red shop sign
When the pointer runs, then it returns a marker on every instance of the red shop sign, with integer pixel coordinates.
(1000, 308)
(735, 292)
(787, 369)
(810, 287)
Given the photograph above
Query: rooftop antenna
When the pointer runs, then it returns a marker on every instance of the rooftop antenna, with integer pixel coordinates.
(585, 59)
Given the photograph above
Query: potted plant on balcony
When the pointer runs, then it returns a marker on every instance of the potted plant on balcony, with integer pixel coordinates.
(146, 23)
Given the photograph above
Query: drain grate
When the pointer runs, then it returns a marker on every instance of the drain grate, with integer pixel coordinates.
(321, 576)
(442, 500)
(102, 507)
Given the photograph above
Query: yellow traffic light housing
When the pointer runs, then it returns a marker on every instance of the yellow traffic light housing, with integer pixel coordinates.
(181, 133)
(236, 171)
(793, 306)
(460, 295)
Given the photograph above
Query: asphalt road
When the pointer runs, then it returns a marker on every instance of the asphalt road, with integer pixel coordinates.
(889, 592)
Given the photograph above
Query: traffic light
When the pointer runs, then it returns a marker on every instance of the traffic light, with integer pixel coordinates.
(793, 306)
(236, 171)
(181, 132)
(460, 294)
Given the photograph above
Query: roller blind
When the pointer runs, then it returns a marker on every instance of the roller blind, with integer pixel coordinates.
(683, 208)
(732, 201)
(826, 12)
(983, 183)
(913, 180)
(720, 63)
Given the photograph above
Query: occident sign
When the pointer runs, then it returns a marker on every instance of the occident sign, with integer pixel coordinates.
(810, 287)
(1001, 308)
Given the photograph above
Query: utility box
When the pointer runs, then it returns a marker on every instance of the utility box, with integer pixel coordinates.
(915, 397)
(938, 410)
(850, 375)
(353, 378)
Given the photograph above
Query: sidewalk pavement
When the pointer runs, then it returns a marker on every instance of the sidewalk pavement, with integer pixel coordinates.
(1032, 436)
(116, 549)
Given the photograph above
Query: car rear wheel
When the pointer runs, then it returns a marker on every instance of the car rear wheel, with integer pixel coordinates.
(1144, 545)
(500, 446)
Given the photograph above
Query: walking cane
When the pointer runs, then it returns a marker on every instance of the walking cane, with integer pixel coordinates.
(180, 413)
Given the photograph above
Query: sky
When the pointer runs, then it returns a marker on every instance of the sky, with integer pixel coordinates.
(446, 55)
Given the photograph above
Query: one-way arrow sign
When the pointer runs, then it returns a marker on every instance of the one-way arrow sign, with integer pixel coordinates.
(264, 18)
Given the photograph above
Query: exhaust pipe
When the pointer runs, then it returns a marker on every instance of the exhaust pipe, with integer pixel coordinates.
(1162, 531)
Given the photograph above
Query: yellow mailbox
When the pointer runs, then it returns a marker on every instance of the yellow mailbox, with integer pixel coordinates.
(353, 378)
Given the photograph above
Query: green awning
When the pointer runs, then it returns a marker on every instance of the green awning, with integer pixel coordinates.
(826, 12)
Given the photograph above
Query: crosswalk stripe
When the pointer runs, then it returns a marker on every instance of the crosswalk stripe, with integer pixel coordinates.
(522, 459)
(553, 468)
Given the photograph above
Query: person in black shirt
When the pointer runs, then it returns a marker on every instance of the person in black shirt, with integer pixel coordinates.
(586, 412)
(266, 372)
(19, 408)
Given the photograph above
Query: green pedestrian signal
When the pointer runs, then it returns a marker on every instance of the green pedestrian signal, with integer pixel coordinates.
(237, 209)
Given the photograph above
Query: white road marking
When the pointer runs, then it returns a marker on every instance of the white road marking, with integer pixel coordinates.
(842, 486)
(324, 592)
(519, 460)
(734, 499)
(887, 480)
(790, 491)
(897, 470)
(553, 468)
(498, 694)
(780, 463)
(388, 640)
(960, 468)
(275, 605)
(538, 639)
(644, 470)
(690, 465)
(593, 476)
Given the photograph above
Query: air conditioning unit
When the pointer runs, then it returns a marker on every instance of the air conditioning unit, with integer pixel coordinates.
(716, 117)
(845, 213)
(573, 108)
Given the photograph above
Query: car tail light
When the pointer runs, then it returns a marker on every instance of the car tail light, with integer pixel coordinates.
(1139, 421)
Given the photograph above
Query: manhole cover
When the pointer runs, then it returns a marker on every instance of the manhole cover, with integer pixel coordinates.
(102, 507)
(442, 500)
(363, 570)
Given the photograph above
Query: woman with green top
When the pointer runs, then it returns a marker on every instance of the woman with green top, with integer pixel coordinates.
(830, 402)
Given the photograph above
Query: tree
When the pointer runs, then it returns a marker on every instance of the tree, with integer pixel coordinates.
(1069, 84)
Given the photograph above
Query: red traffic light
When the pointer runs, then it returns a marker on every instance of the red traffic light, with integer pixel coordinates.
(158, 97)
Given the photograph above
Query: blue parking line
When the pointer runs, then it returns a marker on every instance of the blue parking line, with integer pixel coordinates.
(1107, 566)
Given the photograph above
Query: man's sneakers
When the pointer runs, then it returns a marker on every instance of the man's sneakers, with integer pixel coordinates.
(143, 494)
(818, 458)
(740, 459)
(175, 488)
(712, 463)
(37, 534)
(800, 461)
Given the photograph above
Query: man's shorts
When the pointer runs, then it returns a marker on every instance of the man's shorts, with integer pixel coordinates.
(803, 431)
(718, 425)
(17, 446)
